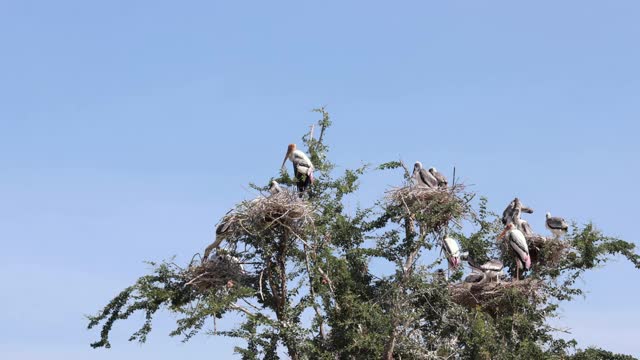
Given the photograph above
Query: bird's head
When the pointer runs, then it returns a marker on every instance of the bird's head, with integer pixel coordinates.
(274, 183)
(432, 170)
(417, 165)
(291, 148)
(506, 229)
(548, 214)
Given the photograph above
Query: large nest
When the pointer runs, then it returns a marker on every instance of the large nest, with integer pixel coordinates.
(494, 297)
(434, 207)
(281, 210)
(545, 251)
(219, 272)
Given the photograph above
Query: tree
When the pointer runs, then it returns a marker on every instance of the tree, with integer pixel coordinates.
(311, 256)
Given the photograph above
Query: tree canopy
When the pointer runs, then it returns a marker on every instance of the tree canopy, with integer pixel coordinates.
(296, 273)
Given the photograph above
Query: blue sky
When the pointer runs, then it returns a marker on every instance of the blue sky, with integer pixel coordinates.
(124, 129)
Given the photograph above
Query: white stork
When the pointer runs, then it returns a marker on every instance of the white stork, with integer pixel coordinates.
(442, 180)
(422, 177)
(557, 225)
(302, 167)
(518, 244)
(274, 188)
(452, 250)
(492, 269)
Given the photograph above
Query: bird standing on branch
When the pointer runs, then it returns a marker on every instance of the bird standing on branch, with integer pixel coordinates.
(518, 244)
(557, 225)
(302, 167)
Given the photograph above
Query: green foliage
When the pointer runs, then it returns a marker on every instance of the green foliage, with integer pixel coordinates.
(312, 294)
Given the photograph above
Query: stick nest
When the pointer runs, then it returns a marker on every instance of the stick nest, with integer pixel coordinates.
(546, 251)
(281, 210)
(494, 297)
(433, 206)
(215, 273)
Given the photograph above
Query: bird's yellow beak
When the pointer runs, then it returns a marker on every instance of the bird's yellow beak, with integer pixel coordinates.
(284, 161)
(503, 232)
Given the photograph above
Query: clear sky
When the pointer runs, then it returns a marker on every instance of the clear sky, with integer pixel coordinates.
(128, 128)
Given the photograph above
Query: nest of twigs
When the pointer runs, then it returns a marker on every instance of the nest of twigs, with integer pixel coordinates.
(546, 251)
(281, 210)
(433, 206)
(219, 272)
(494, 296)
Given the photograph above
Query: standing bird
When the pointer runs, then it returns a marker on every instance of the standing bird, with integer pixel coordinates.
(518, 244)
(492, 269)
(302, 167)
(442, 181)
(452, 250)
(221, 232)
(422, 177)
(274, 188)
(557, 225)
(509, 212)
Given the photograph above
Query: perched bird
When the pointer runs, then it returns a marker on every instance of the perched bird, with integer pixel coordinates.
(492, 269)
(274, 188)
(452, 250)
(510, 211)
(222, 231)
(442, 181)
(422, 177)
(302, 167)
(557, 225)
(518, 244)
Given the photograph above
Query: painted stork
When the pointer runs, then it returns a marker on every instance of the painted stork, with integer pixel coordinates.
(221, 232)
(302, 167)
(509, 214)
(492, 269)
(452, 250)
(442, 180)
(422, 177)
(518, 244)
(274, 188)
(557, 225)
(476, 277)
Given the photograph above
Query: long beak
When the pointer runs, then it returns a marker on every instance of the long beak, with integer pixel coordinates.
(285, 160)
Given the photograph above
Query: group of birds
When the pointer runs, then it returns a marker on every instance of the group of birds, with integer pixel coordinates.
(427, 178)
(303, 173)
(515, 234)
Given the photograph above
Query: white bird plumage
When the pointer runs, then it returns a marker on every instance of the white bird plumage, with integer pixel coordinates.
(452, 251)
(302, 167)
(518, 243)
